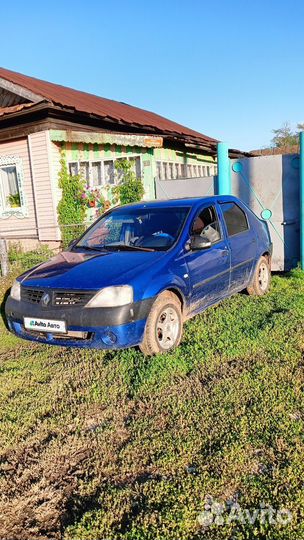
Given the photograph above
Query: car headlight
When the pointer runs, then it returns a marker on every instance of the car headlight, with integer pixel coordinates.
(112, 297)
(16, 291)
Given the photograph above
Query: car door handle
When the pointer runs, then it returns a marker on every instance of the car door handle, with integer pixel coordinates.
(225, 252)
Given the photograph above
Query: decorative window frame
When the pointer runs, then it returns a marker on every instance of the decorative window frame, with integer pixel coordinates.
(21, 211)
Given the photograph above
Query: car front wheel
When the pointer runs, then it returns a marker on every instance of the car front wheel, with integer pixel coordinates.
(164, 325)
(261, 279)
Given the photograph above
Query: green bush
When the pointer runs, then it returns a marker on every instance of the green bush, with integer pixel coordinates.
(72, 207)
(23, 260)
(130, 189)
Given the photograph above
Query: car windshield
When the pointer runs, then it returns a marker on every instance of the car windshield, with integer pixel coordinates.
(140, 229)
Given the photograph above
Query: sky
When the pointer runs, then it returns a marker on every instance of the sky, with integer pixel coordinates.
(230, 69)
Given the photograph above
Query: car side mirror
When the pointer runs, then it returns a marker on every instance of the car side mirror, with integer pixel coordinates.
(198, 242)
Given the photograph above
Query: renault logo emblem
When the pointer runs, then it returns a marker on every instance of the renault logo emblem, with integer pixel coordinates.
(45, 300)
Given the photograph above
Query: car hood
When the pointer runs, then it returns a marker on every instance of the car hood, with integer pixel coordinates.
(90, 271)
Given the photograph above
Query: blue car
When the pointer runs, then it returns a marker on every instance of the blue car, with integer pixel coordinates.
(140, 271)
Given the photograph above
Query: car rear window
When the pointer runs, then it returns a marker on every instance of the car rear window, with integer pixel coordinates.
(235, 218)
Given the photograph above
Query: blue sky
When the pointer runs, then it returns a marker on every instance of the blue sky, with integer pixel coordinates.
(230, 69)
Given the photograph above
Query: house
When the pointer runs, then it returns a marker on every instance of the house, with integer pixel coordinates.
(41, 121)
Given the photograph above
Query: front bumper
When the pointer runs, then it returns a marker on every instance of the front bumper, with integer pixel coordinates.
(103, 328)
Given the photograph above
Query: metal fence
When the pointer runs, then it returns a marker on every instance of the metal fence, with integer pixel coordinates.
(270, 186)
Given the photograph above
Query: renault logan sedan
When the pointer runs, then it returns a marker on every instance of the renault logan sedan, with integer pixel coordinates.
(140, 271)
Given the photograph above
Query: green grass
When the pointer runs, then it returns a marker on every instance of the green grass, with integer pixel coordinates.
(112, 445)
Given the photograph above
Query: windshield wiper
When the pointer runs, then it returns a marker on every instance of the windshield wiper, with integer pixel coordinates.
(125, 247)
(90, 248)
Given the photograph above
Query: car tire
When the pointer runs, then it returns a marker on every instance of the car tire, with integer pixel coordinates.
(164, 326)
(261, 279)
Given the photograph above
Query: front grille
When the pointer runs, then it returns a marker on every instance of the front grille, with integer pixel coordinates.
(58, 298)
(69, 298)
(31, 295)
(74, 336)
(69, 336)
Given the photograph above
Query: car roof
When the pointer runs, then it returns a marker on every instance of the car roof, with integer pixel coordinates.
(185, 201)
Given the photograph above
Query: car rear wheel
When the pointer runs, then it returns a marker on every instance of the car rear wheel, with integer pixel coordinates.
(164, 325)
(260, 283)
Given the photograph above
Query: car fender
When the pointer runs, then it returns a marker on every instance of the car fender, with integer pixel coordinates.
(170, 282)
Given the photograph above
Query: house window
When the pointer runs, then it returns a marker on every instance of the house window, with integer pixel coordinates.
(97, 173)
(109, 171)
(12, 200)
(84, 170)
(167, 170)
(135, 165)
(158, 170)
(73, 168)
(9, 187)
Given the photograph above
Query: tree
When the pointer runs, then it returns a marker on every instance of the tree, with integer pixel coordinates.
(284, 136)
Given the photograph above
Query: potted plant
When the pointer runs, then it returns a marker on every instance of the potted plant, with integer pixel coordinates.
(88, 197)
(93, 198)
(14, 200)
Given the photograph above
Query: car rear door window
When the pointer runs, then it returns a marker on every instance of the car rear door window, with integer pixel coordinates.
(235, 218)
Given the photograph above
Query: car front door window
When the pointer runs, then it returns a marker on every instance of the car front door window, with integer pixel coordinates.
(206, 224)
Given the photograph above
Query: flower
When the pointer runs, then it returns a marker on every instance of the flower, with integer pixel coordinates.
(93, 197)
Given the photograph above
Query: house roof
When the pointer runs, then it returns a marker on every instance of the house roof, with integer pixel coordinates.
(18, 93)
(15, 108)
(105, 108)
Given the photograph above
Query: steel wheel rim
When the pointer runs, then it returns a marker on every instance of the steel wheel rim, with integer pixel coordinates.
(263, 276)
(167, 328)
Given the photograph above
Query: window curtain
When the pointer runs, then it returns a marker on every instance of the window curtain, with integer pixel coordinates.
(9, 175)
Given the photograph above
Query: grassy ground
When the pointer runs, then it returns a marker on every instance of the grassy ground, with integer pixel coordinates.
(113, 445)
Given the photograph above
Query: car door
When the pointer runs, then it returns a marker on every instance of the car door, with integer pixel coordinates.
(208, 268)
(242, 243)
